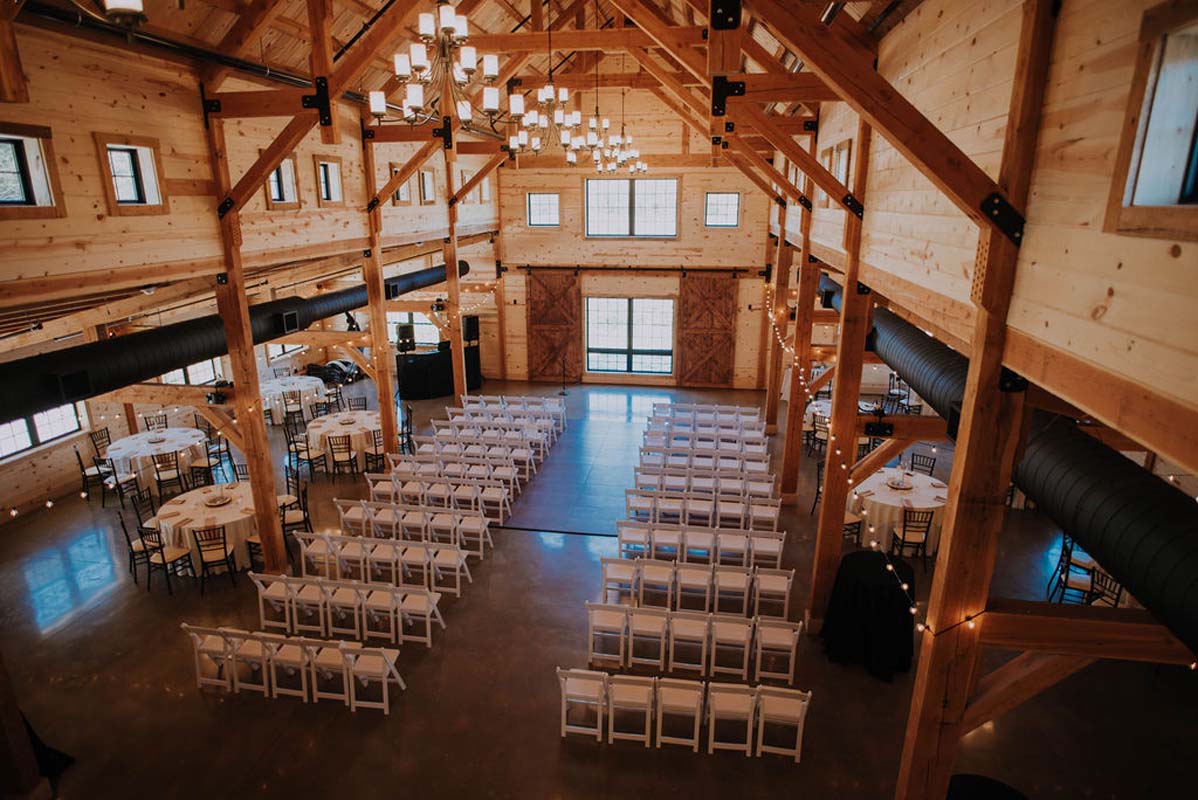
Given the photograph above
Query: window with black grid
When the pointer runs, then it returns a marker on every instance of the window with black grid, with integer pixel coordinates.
(655, 207)
(609, 207)
(722, 210)
(44, 426)
(15, 185)
(630, 334)
(543, 209)
(126, 175)
(643, 207)
(423, 328)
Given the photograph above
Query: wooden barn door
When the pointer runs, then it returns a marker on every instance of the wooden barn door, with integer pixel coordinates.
(706, 330)
(554, 326)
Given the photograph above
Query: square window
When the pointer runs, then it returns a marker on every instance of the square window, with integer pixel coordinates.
(126, 175)
(630, 334)
(609, 207)
(543, 209)
(403, 192)
(428, 187)
(282, 189)
(132, 167)
(56, 422)
(645, 207)
(16, 185)
(485, 189)
(328, 181)
(722, 210)
(14, 437)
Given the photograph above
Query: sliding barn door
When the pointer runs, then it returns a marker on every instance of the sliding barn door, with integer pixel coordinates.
(554, 326)
(706, 330)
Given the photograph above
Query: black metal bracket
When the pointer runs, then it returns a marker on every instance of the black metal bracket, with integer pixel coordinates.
(794, 313)
(882, 429)
(812, 259)
(319, 100)
(705, 34)
(1004, 216)
(366, 253)
(854, 205)
(724, 144)
(222, 278)
(453, 201)
(445, 132)
(729, 127)
(721, 90)
(367, 133)
(780, 200)
(811, 125)
(372, 205)
(767, 273)
(716, 139)
(1009, 381)
(863, 289)
(499, 267)
(725, 15)
(805, 201)
(225, 207)
(511, 154)
(209, 106)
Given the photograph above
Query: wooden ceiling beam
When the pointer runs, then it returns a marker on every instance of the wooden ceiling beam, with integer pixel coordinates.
(494, 163)
(606, 40)
(1016, 682)
(13, 87)
(676, 40)
(320, 61)
(255, 19)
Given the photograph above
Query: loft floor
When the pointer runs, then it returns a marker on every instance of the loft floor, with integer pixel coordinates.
(103, 672)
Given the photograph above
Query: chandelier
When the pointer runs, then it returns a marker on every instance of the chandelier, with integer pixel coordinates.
(548, 122)
(618, 151)
(442, 61)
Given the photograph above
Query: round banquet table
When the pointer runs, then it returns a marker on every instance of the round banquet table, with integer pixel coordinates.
(135, 453)
(360, 425)
(177, 518)
(869, 621)
(882, 507)
(310, 387)
(824, 409)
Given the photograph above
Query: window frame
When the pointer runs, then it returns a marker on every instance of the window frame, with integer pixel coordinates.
(217, 373)
(49, 163)
(528, 210)
(1179, 221)
(284, 205)
(393, 331)
(286, 350)
(396, 200)
(35, 440)
(22, 172)
(632, 234)
(118, 208)
(431, 198)
(631, 351)
(707, 199)
(320, 161)
(139, 183)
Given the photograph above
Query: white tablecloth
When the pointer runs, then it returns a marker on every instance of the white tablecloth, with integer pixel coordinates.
(179, 517)
(882, 507)
(310, 387)
(360, 426)
(136, 453)
(824, 409)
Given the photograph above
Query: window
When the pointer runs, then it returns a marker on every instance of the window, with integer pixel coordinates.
(132, 169)
(403, 192)
(840, 161)
(198, 373)
(426, 331)
(282, 192)
(485, 189)
(543, 210)
(16, 187)
(28, 173)
(428, 187)
(632, 207)
(821, 197)
(328, 181)
(29, 432)
(722, 210)
(1154, 191)
(464, 177)
(630, 334)
(274, 351)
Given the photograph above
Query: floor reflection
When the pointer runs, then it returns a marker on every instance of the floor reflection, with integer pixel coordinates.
(64, 580)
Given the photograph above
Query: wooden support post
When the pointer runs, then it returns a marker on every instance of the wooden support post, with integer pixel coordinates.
(320, 21)
(380, 342)
(846, 387)
(800, 370)
(452, 279)
(233, 308)
(1020, 679)
(987, 441)
(783, 259)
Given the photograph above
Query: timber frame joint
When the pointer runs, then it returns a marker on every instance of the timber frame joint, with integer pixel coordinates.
(721, 90)
(225, 207)
(1005, 217)
(319, 100)
(1011, 382)
(724, 15)
(209, 105)
(854, 205)
(445, 133)
(805, 202)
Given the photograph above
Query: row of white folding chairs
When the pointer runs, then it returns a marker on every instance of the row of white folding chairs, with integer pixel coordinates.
(672, 409)
(670, 584)
(539, 435)
(695, 641)
(731, 443)
(488, 496)
(416, 523)
(536, 417)
(408, 467)
(523, 457)
(388, 562)
(694, 544)
(712, 425)
(536, 442)
(731, 483)
(692, 508)
(686, 457)
(342, 664)
(696, 702)
(554, 405)
(328, 607)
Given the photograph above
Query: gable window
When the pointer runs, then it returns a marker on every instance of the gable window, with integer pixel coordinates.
(543, 210)
(428, 187)
(630, 334)
(328, 181)
(274, 351)
(28, 432)
(282, 191)
(722, 210)
(637, 207)
(1154, 190)
(426, 332)
(201, 372)
(403, 192)
(132, 168)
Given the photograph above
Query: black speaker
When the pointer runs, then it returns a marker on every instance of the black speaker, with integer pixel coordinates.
(470, 328)
(405, 337)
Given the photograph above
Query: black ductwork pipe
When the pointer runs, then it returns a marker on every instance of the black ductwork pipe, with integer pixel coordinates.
(1141, 529)
(46, 381)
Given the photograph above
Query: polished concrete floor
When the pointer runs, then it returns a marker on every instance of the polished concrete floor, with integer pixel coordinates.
(102, 671)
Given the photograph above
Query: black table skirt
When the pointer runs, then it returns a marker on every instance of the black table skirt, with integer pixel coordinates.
(429, 373)
(869, 619)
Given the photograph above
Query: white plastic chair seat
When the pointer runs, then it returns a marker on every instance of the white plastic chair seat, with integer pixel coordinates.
(589, 690)
(414, 555)
(694, 579)
(447, 558)
(420, 603)
(290, 655)
(413, 518)
(731, 580)
(473, 524)
(607, 620)
(380, 601)
(355, 513)
(354, 550)
(726, 704)
(767, 545)
(277, 592)
(646, 624)
(703, 484)
(212, 645)
(730, 632)
(774, 638)
(373, 665)
(620, 572)
(634, 694)
(781, 708)
(675, 483)
(917, 537)
(494, 493)
(389, 516)
(328, 658)
(344, 598)
(772, 584)
(251, 649)
(310, 594)
(688, 628)
(673, 699)
(656, 575)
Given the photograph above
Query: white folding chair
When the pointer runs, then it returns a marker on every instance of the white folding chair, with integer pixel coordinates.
(647, 627)
(633, 539)
(781, 707)
(450, 559)
(619, 576)
(327, 669)
(292, 659)
(765, 548)
(732, 547)
(731, 635)
(692, 581)
(732, 585)
(630, 693)
(272, 594)
(423, 605)
(691, 630)
(777, 641)
(246, 649)
(606, 624)
(307, 602)
(679, 698)
(210, 647)
(343, 605)
(728, 702)
(656, 580)
(365, 665)
(585, 688)
(772, 586)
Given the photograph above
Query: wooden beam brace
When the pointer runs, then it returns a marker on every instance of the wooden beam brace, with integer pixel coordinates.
(908, 426)
(320, 21)
(166, 394)
(822, 380)
(261, 103)
(319, 338)
(1016, 682)
(484, 147)
(675, 40)
(759, 162)
(774, 87)
(741, 163)
(257, 16)
(877, 458)
(494, 163)
(1126, 634)
(356, 356)
(609, 39)
(220, 419)
(670, 83)
(13, 87)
